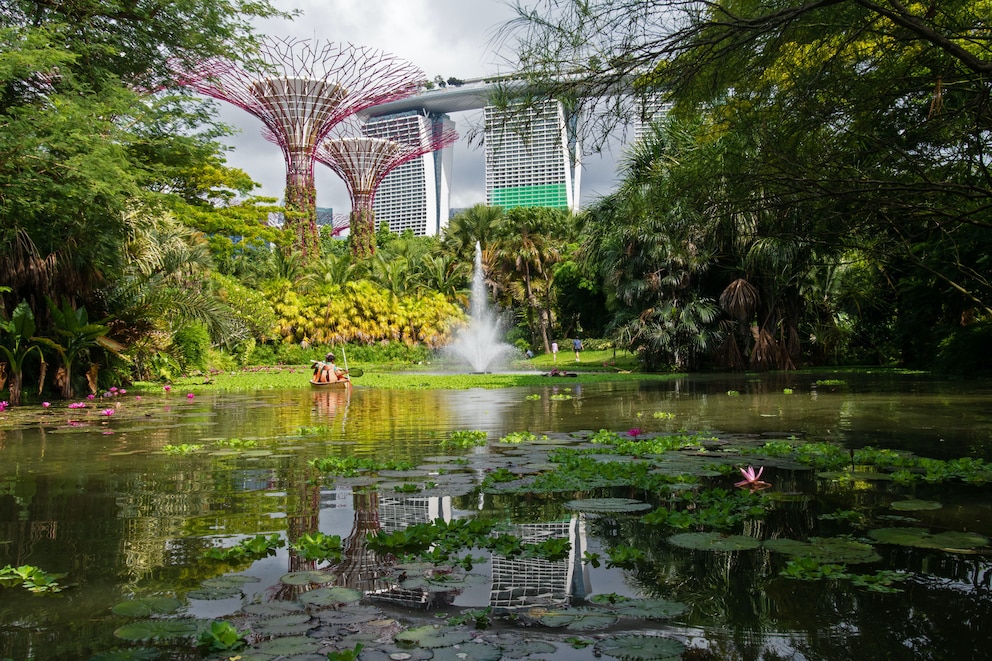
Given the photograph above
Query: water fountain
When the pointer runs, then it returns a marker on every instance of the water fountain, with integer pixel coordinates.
(480, 343)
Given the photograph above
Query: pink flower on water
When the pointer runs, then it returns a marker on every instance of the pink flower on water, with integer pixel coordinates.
(77, 405)
(635, 432)
(3, 405)
(107, 412)
(189, 395)
(46, 404)
(121, 392)
(752, 479)
(137, 398)
(90, 396)
(167, 388)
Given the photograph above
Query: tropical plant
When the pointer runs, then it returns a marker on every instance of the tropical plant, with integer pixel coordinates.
(76, 336)
(19, 342)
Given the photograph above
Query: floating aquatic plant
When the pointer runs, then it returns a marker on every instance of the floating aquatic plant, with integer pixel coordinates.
(922, 538)
(254, 548)
(713, 541)
(158, 630)
(636, 647)
(221, 636)
(31, 578)
(465, 438)
(147, 607)
(608, 505)
(825, 549)
(752, 479)
(914, 505)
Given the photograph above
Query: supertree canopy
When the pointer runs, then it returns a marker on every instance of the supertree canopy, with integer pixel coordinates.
(301, 90)
(364, 152)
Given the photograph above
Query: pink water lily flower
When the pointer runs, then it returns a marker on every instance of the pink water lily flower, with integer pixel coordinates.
(107, 412)
(46, 404)
(167, 388)
(752, 479)
(189, 395)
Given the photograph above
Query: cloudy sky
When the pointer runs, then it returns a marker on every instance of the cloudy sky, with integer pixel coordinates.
(442, 37)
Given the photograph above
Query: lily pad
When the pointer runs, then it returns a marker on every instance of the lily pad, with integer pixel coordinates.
(653, 609)
(608, 505)
(575, 619)
(283, 625)
(272, 608)
(229, 581)
(924, 539)
(636, 647)
(914, 505)
(825, 549)
(212, 594)
(289, 645)
(306, 577)
(330, 596)
(430, 636)
(157, 630)
(713, 541)
(147, 606)
(128, 654)
(468, 652)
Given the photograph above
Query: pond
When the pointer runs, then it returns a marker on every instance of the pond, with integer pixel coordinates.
(606, 519)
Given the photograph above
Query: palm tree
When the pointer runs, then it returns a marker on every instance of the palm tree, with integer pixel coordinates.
(475, 224)
(528, 245)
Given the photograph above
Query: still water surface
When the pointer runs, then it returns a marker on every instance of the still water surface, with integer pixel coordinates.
(101, 503)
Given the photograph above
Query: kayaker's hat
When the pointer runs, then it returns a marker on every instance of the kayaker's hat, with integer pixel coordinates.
(329, 356)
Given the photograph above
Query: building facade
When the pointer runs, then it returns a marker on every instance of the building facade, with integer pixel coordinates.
(415, 195)
(532, 156)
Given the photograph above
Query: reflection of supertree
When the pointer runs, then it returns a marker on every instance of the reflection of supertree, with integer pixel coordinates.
(361, 568)
(363, 154)
(305, 90)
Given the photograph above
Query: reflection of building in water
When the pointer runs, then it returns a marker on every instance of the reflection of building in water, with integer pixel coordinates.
(398, 513)
(520, 583)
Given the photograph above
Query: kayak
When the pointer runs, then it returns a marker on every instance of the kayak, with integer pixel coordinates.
(332, 385)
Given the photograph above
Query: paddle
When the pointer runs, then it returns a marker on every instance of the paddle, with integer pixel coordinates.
(357, 372)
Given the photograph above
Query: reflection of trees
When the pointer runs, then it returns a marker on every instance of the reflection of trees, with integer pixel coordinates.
(742, 606)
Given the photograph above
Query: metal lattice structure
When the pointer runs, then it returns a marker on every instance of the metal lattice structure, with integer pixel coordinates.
(300, 93)
(362, 153)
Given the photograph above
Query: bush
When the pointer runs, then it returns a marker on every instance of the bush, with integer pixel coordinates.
(965, 351)
(191, 346)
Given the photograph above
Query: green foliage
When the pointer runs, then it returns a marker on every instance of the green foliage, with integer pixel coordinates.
(464, 438)
(318, 546)
(182, 449)
(352, 466)
(809, 569)
(221, 636)
(31, 578)
(709, 509)
(346, 655)
(19, 342)
(191, 343)
(447, 539)
(519, 437)
(252, 548)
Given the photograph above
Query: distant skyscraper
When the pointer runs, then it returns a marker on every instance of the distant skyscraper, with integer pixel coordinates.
(415, 195)
(651, 109)
(532, 156)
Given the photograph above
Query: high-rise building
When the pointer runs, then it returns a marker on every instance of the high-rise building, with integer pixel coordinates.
(532, 156)
(415, 195)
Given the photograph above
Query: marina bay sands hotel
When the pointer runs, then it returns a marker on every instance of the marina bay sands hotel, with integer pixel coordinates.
(532, 156)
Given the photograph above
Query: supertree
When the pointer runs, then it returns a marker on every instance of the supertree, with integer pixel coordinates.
(364, 152)
(300, 90)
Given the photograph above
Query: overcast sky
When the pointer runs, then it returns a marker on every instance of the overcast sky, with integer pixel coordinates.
(442, 37)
